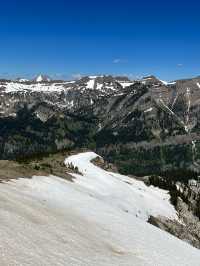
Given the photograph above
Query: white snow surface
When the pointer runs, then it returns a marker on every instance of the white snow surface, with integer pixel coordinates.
(50, 221)
(168, 83)
(90, 84)
(23, 80)
(39, 87)
(138, 199)
(148, 110)
(125, 84)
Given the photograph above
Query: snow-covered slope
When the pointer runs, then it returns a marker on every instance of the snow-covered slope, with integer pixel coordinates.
(50, 221)
(104, 84)
(119, 191)
(17, 87)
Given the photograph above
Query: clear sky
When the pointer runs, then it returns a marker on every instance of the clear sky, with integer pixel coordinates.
(72, 38)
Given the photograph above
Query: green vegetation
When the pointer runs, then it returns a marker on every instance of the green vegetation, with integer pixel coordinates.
(147, 160)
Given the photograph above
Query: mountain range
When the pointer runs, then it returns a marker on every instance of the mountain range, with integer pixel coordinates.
(144, 126)
(146, 129)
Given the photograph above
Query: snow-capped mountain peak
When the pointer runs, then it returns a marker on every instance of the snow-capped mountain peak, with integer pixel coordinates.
(42, 78)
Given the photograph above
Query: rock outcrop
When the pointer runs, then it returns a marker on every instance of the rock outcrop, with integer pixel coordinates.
(185, 195)
(187, 228)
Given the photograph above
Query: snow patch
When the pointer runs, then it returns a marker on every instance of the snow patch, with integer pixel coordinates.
(90, 84)
(42, 78)
(167, 83)
(39, 87)
(22, 80)
(148, 110)
(99, 86)
(125, 84)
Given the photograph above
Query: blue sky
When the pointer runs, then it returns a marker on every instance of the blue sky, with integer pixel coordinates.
(67, 38)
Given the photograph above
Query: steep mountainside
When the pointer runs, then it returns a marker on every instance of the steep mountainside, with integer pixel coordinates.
(144, 126)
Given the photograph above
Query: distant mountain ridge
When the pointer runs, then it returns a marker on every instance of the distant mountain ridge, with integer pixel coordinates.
(144, 126)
